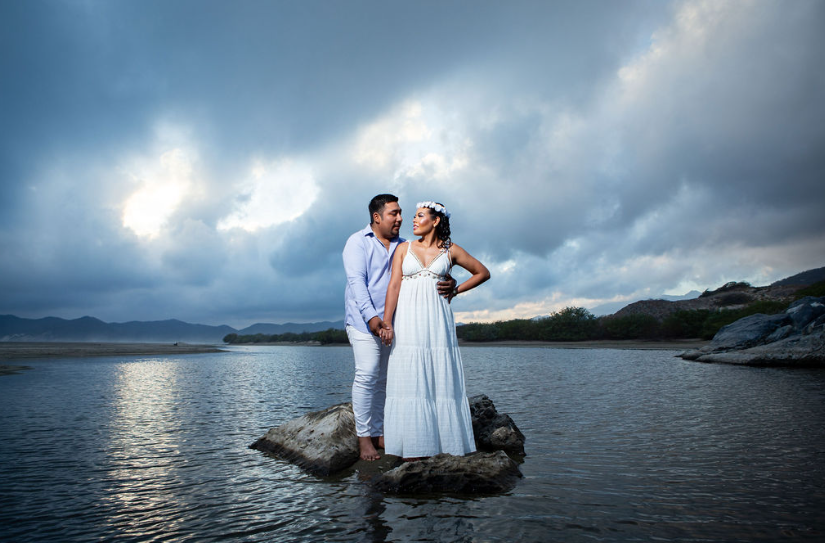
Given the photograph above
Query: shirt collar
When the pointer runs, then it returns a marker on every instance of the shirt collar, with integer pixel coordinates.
(368, 232)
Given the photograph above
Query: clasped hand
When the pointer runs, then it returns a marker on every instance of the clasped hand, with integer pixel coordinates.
(381, 329)
(386, 333)
(384, 329)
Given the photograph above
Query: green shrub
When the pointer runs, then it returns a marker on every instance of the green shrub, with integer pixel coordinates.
(569, 324)
(816, 290)
(734, 298)
(685, 324)
(733, 285)
(638, 326)
(477, 331)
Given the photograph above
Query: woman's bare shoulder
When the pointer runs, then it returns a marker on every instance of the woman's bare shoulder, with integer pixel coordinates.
(401, 248)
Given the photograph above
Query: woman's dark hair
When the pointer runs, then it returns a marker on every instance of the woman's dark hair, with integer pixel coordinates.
(378, 202)
(442, 229)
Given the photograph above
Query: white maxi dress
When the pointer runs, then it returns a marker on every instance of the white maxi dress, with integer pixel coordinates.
(426, 410)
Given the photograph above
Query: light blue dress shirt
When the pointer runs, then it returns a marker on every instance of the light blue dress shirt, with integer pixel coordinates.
(367, 264)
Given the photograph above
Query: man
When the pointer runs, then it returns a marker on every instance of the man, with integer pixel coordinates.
(368, 257)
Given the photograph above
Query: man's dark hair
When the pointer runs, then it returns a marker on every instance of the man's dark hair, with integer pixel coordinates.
(377, 204)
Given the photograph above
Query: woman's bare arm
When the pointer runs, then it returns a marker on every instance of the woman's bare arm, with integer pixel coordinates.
(393, 289)
(479, 271)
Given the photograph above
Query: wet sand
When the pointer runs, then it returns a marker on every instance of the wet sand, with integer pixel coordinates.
(672, 345)
(11, 370)
(633, 344)
(22, 351)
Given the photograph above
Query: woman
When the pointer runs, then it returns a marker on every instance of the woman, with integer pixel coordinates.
(426, 410)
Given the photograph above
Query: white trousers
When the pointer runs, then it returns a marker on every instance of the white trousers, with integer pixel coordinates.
(369, 389)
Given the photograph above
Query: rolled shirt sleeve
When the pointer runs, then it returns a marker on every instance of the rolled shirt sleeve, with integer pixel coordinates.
(367, 265)
(355, 265)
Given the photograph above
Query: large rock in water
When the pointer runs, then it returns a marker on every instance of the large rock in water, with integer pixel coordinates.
(477, 473)
(793, 338)
(322, 442)
(494, 431)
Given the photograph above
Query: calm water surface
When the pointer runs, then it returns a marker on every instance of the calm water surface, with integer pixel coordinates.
(622, 446)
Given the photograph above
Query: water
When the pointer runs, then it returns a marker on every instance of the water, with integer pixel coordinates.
(622, 446)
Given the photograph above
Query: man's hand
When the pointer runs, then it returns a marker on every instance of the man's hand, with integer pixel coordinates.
(376, 324)
(446, 288)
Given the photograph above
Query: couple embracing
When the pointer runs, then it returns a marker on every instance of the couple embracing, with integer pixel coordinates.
(408, 395)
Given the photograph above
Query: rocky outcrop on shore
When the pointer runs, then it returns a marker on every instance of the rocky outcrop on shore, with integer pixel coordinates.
(324, 443)
(793, 338)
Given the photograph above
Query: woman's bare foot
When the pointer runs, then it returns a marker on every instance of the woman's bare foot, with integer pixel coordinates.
(415, 459)
(367, 449)
(378, 442)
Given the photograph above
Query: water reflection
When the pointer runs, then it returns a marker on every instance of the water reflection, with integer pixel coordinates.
(144, 449)
(621, 446)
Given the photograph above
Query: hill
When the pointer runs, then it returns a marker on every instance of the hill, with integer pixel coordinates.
(612, 307)
(732, 295)
(803, 279)
(90, 329)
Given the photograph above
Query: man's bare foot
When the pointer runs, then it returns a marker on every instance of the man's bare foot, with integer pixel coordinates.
(378, 442)
(367, 449)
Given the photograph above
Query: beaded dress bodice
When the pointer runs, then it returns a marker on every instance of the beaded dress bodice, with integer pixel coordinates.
(437, 269)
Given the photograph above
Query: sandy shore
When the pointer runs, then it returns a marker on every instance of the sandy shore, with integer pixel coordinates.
(671, 345)
(22, 351)
(674, 345)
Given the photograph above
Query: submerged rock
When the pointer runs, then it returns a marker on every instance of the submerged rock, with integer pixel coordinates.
(322, 442)
(477, 473)
(793, 338)
(494, 431)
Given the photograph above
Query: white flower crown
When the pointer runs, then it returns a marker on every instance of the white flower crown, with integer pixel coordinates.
(434, 206)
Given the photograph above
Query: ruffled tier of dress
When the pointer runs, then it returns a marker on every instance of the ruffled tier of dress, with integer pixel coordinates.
(427, 412)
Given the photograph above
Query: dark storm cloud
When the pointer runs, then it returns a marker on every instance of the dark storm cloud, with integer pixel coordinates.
(588, 151)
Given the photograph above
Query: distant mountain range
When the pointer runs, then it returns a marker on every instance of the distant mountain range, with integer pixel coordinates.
(90, 329)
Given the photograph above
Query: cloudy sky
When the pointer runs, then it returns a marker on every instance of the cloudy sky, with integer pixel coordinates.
(207, 160)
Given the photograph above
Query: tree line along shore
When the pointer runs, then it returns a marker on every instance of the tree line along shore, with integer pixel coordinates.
(577, 324)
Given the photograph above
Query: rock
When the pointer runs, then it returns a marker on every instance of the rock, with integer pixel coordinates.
(494, 431)
(780, 333)
(747, 332)
(805, 310)
(793, 338)
(803, 351)
(477, 473)
(815, 326)
(322, 442)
